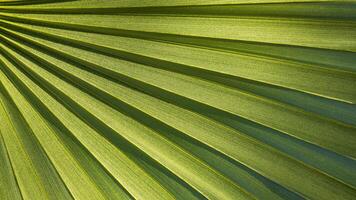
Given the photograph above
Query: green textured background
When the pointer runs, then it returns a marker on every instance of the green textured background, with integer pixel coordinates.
(178, 99)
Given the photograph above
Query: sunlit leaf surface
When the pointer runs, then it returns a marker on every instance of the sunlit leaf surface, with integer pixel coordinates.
(178, 99)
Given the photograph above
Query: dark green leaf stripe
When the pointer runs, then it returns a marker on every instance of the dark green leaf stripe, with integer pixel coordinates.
(128, 99)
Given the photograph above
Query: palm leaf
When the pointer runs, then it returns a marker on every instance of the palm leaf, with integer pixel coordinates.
(126, 99)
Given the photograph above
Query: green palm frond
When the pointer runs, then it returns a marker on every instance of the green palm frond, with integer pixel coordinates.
(144, 99)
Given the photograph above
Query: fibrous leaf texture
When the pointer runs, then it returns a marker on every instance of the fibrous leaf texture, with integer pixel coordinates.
(178, 99)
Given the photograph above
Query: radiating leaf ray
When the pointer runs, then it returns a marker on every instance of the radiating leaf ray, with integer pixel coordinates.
(225, 142)
(136, 171)
(319, 35)
(210, 90)
(131, 131)
(153, 99)
(9, 188)
(28, 159)
(222, 63)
